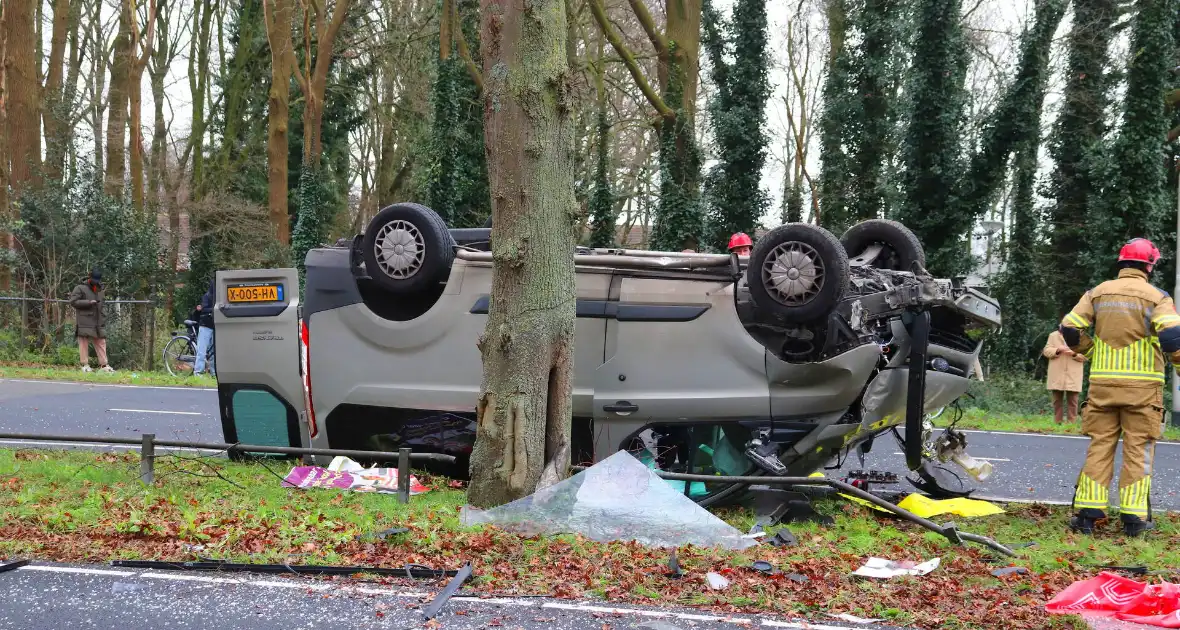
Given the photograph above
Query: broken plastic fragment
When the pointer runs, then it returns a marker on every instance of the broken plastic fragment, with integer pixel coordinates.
(716, 581)
(616, 499)
(1002, 571)
(882, 568)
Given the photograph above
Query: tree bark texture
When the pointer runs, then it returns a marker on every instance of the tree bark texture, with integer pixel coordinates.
(523, 434)
(24, 94)
(117, 107)
(139, 63)
(279, 14)
(56, 105)
(5, 209)
(161, 58)
(199, 86)
(98, 68)
(315, 84)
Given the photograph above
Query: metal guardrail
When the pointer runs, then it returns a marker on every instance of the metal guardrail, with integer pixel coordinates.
(148, 444)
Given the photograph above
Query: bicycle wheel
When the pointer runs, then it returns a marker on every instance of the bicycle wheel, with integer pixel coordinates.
(179, 356)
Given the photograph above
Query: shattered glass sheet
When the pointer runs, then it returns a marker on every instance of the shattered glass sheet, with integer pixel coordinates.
(618, 498)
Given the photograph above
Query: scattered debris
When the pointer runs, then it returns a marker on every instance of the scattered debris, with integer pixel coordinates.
(782, 538)
(384, 534)
(674, 571)
(1110, 595)
(412, 571)
(346, 474)
(617, 499)
(127, 587)
(773, 506)
(439, 600)
(882, 568)
(852, 618)
(716, 581)
(1135, 570)
(798, 577)
(763, 566)
(1002, 571)
(12, 565)
(926, 507)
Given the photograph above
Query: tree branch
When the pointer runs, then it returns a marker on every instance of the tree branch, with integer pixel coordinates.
(465, 52)
(649, 26)
(629, 60)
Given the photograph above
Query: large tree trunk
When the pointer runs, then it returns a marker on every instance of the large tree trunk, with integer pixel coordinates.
(198, 85)
(24, 92)
(5, 239)
(117, 112)
(57, 106)
(157, 72)
(316, 82)
(278, 33)
(98, 68)
(523, 434)
(139, 63)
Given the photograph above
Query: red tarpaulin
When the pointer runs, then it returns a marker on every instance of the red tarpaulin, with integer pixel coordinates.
(1110, 595)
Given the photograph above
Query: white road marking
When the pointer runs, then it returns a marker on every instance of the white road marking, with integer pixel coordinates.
(316, 586)
(91, 445)
(52, 569)
(1048, 435)
(170, 413)
(45, 382)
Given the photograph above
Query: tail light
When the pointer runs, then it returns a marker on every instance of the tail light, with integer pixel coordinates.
(305, 363)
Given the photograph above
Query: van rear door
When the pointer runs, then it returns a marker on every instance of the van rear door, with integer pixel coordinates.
(256, 340)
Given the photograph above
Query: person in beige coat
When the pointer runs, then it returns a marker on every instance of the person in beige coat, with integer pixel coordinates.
(1065, 377)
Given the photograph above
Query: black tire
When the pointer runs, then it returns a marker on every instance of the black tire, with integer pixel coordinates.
(901, 246)
(407, 248)
(799, 272)
(179, 356)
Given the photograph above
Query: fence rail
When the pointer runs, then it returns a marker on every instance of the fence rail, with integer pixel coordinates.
(148, 443)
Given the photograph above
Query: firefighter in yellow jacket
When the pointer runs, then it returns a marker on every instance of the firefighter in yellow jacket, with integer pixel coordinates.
(1135, 325)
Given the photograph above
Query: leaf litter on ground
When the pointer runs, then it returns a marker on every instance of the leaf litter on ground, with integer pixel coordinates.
(88, 507)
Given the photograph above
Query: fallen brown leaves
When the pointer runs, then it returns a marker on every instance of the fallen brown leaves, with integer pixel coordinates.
(962, 589)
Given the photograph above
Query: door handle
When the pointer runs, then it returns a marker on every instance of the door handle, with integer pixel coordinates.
(621, 407)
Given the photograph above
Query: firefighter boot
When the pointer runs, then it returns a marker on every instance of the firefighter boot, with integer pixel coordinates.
(1133, 526)
(1083, 522)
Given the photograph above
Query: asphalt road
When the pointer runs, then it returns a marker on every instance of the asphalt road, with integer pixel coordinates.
(99, 598)
(1030, 467)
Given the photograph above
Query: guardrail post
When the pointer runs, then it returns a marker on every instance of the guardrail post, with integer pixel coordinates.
(147, 459)
(403, 475)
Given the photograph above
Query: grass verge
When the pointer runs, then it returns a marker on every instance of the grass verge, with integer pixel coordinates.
(122, 377)
(90, 507)
(991, 421)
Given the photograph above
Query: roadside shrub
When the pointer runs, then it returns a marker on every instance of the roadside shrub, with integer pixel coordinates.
(1010, 393)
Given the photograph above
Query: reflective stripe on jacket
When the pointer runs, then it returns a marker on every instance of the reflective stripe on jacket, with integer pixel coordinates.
(1129, 317)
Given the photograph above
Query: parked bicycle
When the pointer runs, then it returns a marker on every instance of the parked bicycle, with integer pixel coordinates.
(180, 355)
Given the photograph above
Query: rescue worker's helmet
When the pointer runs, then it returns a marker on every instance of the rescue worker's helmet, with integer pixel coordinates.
(1140, 250)
(739, 241)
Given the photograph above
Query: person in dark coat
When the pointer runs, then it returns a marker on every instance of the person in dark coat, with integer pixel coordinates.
(89, 325)
(205, 330)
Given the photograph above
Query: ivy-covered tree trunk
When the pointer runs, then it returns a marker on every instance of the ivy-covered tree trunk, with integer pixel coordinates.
(117, 108)
(1020, 284)
(932, 151)
(1137, 203)
(1076, 147)
(837, 123)
(1016, 120)
(603, 219)
(524, 411)
(456, 171)
(877, 76)
(736, 201)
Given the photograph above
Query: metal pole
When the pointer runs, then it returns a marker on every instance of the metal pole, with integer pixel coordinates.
(237, 448)
(147, 459)
(403, 475)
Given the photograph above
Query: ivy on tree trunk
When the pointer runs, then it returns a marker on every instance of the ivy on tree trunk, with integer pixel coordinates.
(525, 404)
(736, 201)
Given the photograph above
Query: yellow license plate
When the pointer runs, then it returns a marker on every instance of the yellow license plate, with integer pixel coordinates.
(256, 293)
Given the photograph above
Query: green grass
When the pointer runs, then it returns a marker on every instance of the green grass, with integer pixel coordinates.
(992, 421)
(121, 377)
(90, 507)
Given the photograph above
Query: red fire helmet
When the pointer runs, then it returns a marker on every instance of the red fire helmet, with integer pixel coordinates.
(1140, 250)
(741, 239)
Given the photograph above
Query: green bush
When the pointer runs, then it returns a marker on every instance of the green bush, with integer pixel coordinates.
(1009, 393)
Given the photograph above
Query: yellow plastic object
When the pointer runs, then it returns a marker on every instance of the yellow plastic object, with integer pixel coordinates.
(926, 507)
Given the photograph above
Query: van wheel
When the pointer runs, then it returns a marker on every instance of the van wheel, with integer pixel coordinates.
(407, 247)
(900, 249)
(799, 272)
